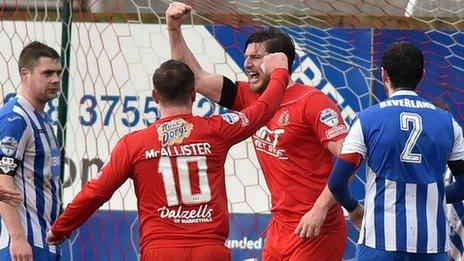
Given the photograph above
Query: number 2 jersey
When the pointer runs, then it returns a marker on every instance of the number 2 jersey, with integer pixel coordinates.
(292, 150)
(406, 142)
(177, 165)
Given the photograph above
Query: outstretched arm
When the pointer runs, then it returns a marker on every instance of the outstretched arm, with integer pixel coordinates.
(93, 195)
(208, 84)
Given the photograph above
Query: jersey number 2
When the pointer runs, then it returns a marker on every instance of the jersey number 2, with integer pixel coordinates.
(414, 120)
(165, 168)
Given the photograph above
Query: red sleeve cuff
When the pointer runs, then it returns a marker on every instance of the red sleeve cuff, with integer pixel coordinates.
(353, 158)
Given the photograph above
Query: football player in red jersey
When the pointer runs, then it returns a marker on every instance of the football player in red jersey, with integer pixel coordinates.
(295, 149)
(177, 165)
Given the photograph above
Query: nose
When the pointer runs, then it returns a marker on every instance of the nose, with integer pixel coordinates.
(247, 64)
(56, 77)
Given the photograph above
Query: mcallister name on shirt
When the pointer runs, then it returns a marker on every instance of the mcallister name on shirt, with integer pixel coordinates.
(405, 102)
(194, 149)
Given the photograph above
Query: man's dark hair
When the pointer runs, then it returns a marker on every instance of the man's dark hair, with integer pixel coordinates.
(404, 64)
(174, 82)
(274, 41)
(30, 55)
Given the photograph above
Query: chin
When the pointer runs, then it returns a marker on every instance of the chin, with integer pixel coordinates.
(256, 88)
(53, 96)
(259, 86)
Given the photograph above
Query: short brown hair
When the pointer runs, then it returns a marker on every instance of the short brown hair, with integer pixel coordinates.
(174, 82)
(31, 54)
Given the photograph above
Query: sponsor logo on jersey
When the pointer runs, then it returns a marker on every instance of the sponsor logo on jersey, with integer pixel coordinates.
(234, 117)
(202, 214)
(284, 118)
(329, 117)
(335, 131)
(244, 119)
(174, 132)
(230, 118)
(7, 165)
(266, 140)
(13, 118)
(9, 145)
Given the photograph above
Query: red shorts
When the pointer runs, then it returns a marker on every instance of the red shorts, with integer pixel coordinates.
(191, 253)
(283, 244)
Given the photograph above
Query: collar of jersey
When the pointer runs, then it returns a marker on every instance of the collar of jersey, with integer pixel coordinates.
(404, 92)
(185, 115)
(25, 103)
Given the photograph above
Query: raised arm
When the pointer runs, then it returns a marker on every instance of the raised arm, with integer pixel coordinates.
(234, 127)
(208, 84)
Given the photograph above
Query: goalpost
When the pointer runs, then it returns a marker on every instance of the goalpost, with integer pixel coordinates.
(116, 45)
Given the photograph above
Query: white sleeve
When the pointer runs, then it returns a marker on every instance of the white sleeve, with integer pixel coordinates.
(354, 141)
(457, 152)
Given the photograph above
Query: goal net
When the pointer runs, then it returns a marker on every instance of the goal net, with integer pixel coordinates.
(116, 45)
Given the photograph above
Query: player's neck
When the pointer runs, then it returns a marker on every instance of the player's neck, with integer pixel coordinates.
(290, 82)
(168, 111)
(35, 103)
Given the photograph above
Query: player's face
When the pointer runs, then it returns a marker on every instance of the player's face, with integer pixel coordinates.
(254, 54)
(43, 81)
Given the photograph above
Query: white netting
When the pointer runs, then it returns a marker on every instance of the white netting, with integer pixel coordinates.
(116, 45)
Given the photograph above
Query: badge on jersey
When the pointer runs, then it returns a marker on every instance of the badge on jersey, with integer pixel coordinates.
(8, 165)
(329, 117)
(9, 145)
(234, 117)
(174, 132)
(284, 118)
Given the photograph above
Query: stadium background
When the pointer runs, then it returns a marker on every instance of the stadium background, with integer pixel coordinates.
(111, 49)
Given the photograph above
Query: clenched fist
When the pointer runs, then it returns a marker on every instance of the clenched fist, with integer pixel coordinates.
(176, 14)
(273, 61)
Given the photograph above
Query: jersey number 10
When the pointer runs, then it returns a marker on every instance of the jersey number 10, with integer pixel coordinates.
(415, 121)
(187, 197)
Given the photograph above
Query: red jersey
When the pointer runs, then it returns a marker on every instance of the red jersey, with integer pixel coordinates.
(292, 150)
(177, 166)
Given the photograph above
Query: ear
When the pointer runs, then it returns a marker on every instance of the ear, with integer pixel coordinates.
(193, 95)
(155, 96)
(385, 76)
(24, 72)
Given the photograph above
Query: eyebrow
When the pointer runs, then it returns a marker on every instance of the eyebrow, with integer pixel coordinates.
(255, 55)
(53, 71)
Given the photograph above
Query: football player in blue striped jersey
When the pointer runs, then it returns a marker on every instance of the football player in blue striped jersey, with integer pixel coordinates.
(406, 142)
(30, 158)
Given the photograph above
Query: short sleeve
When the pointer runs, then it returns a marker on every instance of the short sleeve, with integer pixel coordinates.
(457, 151)
(325, 118)
(13, 141)
(354, 141)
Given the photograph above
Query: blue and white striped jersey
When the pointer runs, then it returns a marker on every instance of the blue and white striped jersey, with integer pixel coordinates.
(406, 142)
(455, 214)
(28, 141)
